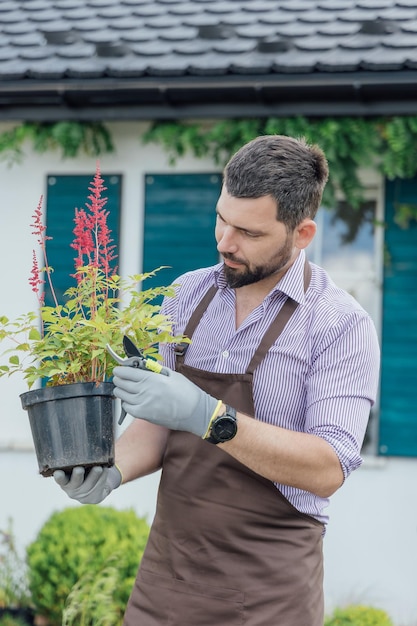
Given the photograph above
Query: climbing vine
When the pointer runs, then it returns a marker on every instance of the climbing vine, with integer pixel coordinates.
(350, 143)
(71, 138)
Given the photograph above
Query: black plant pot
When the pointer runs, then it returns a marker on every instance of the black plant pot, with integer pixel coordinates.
(25, 615)
(71, 425)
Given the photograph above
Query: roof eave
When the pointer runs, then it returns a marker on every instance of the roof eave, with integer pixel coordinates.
(150, 98)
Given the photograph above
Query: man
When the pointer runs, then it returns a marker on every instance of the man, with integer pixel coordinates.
(262, 415)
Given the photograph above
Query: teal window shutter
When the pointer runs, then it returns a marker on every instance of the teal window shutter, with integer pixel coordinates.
(64, 194)
(398, 414)
(179, 223)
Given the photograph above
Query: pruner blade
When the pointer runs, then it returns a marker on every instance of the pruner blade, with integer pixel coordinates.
(135, 358)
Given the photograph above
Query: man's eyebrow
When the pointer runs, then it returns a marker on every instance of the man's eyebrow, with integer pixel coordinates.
(241, 228)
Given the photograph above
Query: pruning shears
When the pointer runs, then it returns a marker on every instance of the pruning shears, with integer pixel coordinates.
(135, 358)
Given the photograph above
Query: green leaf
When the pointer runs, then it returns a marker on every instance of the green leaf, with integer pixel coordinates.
(34, 334)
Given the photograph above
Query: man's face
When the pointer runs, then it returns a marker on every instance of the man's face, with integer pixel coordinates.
(253, 243)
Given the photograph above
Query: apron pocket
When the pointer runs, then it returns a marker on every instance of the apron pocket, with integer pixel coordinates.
(159, 600)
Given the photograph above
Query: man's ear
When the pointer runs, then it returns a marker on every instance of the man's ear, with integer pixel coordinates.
(304, 233)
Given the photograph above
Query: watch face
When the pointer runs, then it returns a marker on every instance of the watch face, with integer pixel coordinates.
(224, 428)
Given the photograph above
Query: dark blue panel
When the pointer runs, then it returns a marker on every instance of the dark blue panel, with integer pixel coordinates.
(64, 194)
(179, 223)
(398, 421)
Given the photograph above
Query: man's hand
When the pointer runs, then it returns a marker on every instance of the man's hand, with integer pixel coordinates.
(100, 481)
(171, 401)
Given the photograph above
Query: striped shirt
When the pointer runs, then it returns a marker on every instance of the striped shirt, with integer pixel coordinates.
(319, 377)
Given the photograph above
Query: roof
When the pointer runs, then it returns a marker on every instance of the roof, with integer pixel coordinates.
(147, 59)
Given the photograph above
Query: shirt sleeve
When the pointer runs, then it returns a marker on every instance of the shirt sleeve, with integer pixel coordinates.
(342, 387)
(169, 308)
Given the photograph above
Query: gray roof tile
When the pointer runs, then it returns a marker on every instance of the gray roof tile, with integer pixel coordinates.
(178, 33)
(409, 27)
(339, 61)
(405, 41)
(138, 35)
(151, 48)
(190, 47)
(208, 64)
(7, 6)
(50, 68)
(358, 15)
(163, 21)
(315, 43)
(277, 17)
(127, 68)
(10, 17)
(86, 68)
(293, 62)
(33, 53)
(375, 58)
(184, 8)
(89, 25)
(316, 17)
(171, 66)
(397, 13)
(256, 31)
(14, 69)
(68, 4)
(336, 28)
(7, 53)
(296, 29)
(28, 40)
(359, 42)
(77, 51)
(128, 38)
(238, 18)
(335, 6)
(18, 28)
(373, 4)
(253, 64)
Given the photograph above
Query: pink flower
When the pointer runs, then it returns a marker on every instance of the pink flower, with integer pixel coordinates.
(92, 235)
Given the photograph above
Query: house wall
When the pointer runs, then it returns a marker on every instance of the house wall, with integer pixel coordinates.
(371, 541)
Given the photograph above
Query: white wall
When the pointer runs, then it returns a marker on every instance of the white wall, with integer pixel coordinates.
(371, 542)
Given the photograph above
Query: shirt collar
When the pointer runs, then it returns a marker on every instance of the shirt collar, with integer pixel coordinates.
(291, 284)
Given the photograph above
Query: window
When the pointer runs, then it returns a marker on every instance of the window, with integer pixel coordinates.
(64, 194)
(351, 256)
(179, 223)
(398, 419)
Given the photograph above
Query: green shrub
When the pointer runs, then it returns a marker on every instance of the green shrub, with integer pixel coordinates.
(75, 547)
(13, 572)
(358, 616)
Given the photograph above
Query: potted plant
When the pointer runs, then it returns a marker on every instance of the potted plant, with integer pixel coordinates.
(62, 347)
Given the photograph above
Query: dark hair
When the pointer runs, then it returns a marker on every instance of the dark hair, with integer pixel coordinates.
(288, 169)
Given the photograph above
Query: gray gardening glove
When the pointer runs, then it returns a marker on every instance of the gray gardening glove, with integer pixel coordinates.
(100, 481)
(171, 401)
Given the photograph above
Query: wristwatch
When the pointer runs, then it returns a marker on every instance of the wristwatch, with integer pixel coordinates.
(223, 427)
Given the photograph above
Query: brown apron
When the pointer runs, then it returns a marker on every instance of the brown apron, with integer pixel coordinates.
(226, 547)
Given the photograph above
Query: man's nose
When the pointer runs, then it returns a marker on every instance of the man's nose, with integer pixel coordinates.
(227, 241)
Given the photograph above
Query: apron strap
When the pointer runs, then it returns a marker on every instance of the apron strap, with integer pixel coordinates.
(194, 320)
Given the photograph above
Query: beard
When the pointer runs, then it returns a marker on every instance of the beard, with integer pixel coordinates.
(254, 273)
